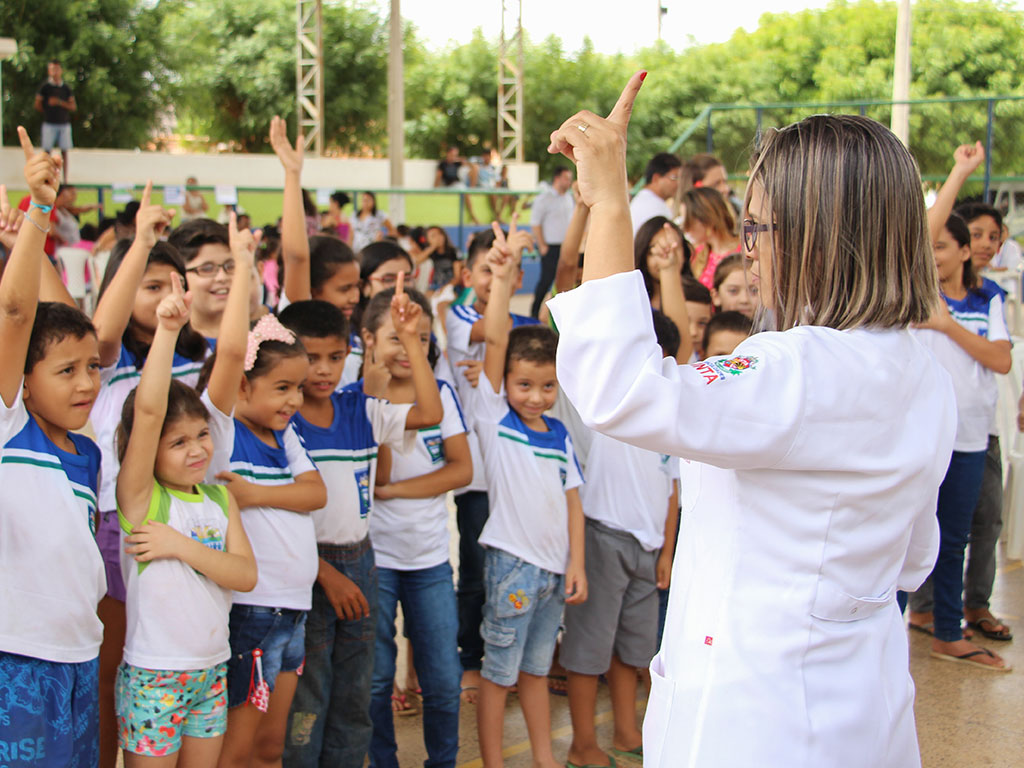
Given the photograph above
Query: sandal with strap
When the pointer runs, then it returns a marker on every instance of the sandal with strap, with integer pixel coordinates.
(987, 627)
(971, 658)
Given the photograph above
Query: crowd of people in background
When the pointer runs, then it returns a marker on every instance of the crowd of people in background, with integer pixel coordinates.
(282, 415)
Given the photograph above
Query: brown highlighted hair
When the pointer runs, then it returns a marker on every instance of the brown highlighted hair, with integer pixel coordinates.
(847, 229)
(533, 343)
(710, 208)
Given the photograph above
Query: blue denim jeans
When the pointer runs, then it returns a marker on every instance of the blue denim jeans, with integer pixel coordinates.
(329, 723)
(958, 495)
(471, 511)
(431, 622)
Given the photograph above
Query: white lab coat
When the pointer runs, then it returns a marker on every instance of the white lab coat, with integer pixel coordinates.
(821, 453)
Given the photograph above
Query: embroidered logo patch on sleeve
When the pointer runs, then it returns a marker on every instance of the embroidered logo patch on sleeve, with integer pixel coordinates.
(722, 369)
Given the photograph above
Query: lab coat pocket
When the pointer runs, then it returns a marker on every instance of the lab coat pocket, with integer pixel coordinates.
(656, 720)
(833, 604)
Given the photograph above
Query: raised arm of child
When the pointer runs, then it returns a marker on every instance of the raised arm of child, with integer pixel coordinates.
(575, 572)
(568, 269)
(115, 308)
(663, 567)
(135, 478)
(294, 242)
(966, 160)
(229, 367)
(668, 261)
(51, 287)
(19, 288)
(235, 567)
(406, 314)
(503, 259)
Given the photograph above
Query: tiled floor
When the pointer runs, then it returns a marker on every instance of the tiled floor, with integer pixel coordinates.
(965, 716)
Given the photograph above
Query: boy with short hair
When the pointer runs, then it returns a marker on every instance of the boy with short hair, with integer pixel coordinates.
(51, 573)
(204, 246)
(631, 508)
(464, 325)
(534, 535)
(330, 721)
(724, 332)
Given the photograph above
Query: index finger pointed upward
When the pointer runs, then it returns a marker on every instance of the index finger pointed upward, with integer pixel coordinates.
(400, 284)
(177, 289)
(147, 193)
(623, 108)
(26, 143)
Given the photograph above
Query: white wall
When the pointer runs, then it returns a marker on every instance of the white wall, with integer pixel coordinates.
(112, 166)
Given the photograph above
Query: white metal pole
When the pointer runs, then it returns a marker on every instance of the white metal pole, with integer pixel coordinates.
(396, 115)
(901, 74)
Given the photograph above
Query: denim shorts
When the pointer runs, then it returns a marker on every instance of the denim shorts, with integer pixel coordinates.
(157, 708)
(522, 616)
(280, 635)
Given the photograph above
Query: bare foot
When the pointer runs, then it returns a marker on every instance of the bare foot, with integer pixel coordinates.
(471, 685)
(967, 652)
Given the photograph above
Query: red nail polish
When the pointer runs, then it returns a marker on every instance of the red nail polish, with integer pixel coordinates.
(643, 76)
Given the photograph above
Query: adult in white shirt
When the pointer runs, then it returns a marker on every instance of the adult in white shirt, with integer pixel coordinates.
(552, 212)
(662, 177)
(812, 458)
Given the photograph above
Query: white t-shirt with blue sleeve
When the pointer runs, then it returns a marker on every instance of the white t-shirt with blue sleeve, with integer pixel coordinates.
(528, 473)
(412, 534)
(51, 572)
(283, 542)
(346, 455)
(980, 312)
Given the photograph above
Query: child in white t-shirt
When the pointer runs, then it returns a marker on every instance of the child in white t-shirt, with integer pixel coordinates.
(343, 431)
(254, 389)
(631, 504)
(51, 573)
(186, 551)
(534, 535)
(410, 527)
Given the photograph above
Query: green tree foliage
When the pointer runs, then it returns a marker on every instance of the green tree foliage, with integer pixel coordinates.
(223, 68)
(113, 57)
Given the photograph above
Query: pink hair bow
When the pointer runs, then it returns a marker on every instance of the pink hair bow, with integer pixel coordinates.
(268, 328)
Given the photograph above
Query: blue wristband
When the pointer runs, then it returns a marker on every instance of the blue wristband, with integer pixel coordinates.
(44, 208)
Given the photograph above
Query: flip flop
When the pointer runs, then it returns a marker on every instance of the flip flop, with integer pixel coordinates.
(637, 753)
(611, 764)
(564, 680)
(968, 658)
(407, 709)
(992, 634)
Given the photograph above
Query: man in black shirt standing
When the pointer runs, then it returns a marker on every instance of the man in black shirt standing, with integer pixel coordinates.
(56, 101)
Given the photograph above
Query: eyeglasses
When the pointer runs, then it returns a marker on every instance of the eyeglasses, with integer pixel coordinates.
(389, 279)
(210, 269)
(751, 229)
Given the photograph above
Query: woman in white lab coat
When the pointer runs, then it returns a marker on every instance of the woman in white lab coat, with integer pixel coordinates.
(812, 457)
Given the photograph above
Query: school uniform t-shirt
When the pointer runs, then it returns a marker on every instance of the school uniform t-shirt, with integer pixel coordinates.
(459, 326)
(980, 312)
(283, 542)
(346, 455)
(629, 489)
(116, 383)
(51, 572)
(528, 473)
(412, 534)
(178, 617)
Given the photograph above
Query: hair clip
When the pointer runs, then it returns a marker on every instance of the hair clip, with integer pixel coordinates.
(268, 328)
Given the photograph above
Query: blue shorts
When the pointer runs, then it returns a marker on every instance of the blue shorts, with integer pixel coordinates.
(49, 713)
(280, 633)
(522, 616)
(56, 135)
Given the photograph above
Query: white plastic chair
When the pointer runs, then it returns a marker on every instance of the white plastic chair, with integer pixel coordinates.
(74, 261)
(1010, 388)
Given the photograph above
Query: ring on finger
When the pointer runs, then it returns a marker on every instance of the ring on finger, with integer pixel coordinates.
(583, 127)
